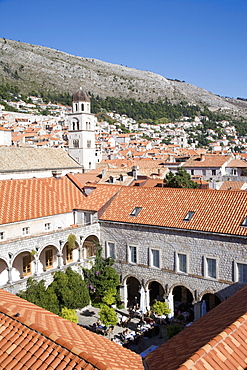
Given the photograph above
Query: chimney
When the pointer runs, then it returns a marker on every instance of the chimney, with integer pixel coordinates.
(202, 157)
(57, 174)
(134, 172)
(103, 172)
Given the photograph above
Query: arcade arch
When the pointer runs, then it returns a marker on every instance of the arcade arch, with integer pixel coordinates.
(90, 246)
(3, 272)
(211, 300)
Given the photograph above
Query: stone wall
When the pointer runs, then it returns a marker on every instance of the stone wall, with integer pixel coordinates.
(198, 246)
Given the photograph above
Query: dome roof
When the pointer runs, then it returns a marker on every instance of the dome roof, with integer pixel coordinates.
(80, 95)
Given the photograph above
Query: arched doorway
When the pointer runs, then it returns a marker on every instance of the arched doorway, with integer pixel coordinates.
(48, 258)
(22, 266)
(90, 246)
(183, 305)
(70, 254)
(133, 291)
(156, 292)
(211, 300)
(3, 272)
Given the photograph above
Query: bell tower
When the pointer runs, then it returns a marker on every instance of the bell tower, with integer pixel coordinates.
(82, 131)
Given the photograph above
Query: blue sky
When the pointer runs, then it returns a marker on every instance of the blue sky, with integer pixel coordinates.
(203, 42)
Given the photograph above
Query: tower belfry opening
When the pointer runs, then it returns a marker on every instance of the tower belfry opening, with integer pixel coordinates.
(82, 131)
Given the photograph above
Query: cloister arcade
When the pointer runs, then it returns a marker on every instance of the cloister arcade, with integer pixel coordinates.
(45, 259)
(180, 299)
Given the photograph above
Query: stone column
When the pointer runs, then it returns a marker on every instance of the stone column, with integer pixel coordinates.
(170, 302)
(125, 295)
(80, 254)
(147, 295)
(10, 281)
(36, 265)
(59, 260)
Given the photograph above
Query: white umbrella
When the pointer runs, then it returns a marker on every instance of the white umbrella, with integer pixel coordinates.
(142, 300)
(203, 308)
(171, 305)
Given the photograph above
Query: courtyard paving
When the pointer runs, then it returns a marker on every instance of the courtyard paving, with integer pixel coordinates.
(89, 315)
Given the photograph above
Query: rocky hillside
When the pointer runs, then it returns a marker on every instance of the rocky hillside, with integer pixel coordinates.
(38, 68)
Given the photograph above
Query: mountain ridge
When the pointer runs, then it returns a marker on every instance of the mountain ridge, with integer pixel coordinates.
(37, 68)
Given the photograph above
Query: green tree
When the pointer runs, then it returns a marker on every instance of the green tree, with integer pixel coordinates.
(101, 277)
(70, 289)
(79, 291)
(160, 308)
(69, 314)
(181, 179)
(37, 293)
(108, 315)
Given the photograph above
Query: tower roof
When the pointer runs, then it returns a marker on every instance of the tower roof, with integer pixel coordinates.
(80, 95)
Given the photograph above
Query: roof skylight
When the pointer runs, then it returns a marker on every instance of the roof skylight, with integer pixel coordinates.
(244, 223)
(189, 216)
(136, 211)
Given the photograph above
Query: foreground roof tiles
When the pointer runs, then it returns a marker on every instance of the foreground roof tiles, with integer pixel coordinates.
(214, 211)
(39, 339)
(214, 342)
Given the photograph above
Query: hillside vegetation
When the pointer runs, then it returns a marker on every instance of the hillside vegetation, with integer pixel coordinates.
(44, 70)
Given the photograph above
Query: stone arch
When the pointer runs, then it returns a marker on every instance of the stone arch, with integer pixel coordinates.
(75, 124)
(70, 255)
(3, 271)
(90, 246)
(156, 291)
(183, 300)
(211, 299)
(23, 265)
(48, 258)
(133, 286)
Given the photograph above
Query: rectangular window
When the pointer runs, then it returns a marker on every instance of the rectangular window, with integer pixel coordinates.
(242, 273)
(182, 262)
(25, 231)
(213, 172)
(111, 250)
(204, 172)
(49, 258)
(47, 226)
(192, 172)
(2, 236)
(88, 143)
(26, 265)
(211, 267)
(87, 218)
(133, 254)
(155, 258)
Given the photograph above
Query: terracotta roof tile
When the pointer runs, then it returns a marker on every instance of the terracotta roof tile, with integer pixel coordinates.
(33, 198)
(36, 325)
(216, 341)
(167, 207)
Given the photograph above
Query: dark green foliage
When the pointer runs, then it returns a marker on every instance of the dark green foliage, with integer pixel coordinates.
(101, 277)
(180, 180)
(67, 290)
(108, 315)
(37, 293)
(142, 111)
(78, 288)
(70, 289)
(173, 330)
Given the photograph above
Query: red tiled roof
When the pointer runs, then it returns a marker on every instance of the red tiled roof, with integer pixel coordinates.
(232, 185)
(98, 197)
(215, 341)
(33, 198)
(209, 160)
(39, 339)
(215, 211)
